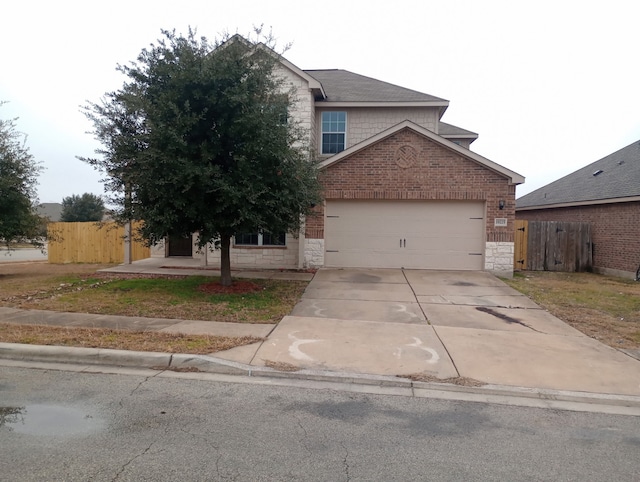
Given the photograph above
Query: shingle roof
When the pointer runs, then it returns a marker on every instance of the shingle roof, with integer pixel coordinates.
(344, 86)
(614, 176)
(52, 211)
(445, 129)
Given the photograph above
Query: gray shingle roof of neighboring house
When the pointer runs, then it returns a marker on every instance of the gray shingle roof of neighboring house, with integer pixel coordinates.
(612, 177)
(344, 86)
(51, 211)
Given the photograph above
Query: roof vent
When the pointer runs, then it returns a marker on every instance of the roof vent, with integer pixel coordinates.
(599, 171)
(620, 163)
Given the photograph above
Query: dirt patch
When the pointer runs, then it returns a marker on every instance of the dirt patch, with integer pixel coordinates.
(237, 287)
(461, 381)
(281, 366)
(120, 339)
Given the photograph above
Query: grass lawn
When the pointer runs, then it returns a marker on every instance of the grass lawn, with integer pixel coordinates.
(602, 307)
(78, 288)
(61, 288)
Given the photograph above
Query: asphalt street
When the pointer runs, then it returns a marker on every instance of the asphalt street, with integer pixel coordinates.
(145, 425)
(22, 254)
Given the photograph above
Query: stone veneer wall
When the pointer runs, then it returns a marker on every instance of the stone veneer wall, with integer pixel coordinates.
(285, 257)
(158, 250)
(303, 109)
(498, 258)
(313, 253)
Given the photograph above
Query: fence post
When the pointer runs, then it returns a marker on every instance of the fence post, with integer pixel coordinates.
(127, 243)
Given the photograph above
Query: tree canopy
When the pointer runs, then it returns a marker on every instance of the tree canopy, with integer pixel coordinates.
(18, 178)
(199, 140)
(87, 207)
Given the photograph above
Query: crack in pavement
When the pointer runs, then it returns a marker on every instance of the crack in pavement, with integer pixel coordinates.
(306, 435)
(345, 462)
(146, 379)
(124, 467)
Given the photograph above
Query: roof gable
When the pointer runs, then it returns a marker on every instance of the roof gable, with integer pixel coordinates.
(314, 85)
(514, 178)
(614, 177)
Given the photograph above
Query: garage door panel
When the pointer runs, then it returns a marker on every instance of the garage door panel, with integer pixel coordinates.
(409, 234)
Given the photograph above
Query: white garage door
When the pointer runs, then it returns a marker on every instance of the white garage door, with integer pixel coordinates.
(405, 234)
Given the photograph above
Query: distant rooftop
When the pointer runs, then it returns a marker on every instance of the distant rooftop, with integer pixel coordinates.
(614, 176)
(51, 211)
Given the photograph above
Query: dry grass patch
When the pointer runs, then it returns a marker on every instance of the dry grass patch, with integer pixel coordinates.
(28, 279)
(120, 339)
(461, 381)
(603, 307)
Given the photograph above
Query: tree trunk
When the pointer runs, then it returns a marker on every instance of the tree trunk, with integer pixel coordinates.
(225, 260)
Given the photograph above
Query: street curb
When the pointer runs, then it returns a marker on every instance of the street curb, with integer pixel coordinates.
(91, 356)
(210, 364)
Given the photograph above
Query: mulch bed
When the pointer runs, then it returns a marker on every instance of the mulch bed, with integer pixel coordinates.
(237, 287)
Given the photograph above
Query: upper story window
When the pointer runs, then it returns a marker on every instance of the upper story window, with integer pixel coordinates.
(334, 130)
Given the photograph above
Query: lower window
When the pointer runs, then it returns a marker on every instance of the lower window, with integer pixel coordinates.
(260, 239)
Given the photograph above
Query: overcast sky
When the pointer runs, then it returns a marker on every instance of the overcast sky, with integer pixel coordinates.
(549, 86)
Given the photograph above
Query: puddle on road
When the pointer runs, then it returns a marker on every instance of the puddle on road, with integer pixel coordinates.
(49, 420)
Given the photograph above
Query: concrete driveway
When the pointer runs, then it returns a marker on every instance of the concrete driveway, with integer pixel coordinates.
(443, 324)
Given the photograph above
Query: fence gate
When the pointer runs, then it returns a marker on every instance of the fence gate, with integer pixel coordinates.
(520, 244)
(555, 246)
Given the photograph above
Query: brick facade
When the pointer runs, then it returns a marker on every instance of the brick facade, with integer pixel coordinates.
(615, 231)
(436, 174)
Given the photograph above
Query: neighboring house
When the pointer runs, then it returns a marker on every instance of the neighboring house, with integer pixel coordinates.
(605, 194)
(50, 211)
(401, 188)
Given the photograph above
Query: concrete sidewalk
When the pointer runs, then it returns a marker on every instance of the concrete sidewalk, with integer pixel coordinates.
(387, 323)
(192, 267)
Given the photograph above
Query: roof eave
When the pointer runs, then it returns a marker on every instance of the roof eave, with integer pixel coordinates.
(440, 104)
(579, 203)
(460, 136)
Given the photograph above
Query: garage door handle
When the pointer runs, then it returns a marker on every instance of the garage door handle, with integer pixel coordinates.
(403, 243)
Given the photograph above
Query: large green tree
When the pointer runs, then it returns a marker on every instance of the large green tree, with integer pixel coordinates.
(18, 178)
(77, 209)
(199, 140)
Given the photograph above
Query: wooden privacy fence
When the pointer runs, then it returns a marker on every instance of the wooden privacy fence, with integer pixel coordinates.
(553, 246)
(91, 243)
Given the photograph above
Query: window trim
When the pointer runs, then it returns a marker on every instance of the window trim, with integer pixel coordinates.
(260, 242)
(322, 132)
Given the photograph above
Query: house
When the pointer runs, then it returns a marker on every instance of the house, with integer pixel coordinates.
(605, 194)
(50, 211)
(401, 187)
